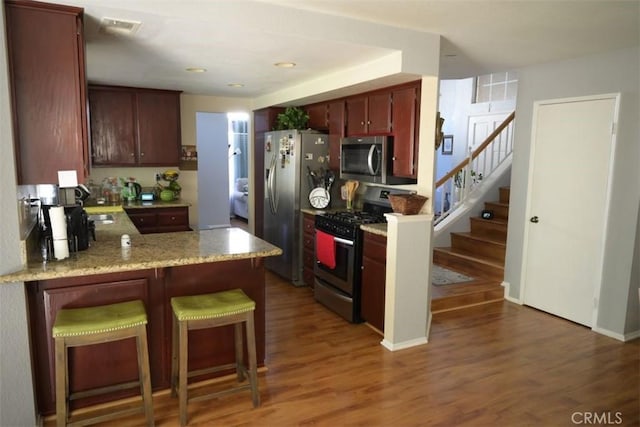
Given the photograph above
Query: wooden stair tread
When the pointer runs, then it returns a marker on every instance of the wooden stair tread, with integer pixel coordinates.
(478, 258)
(495, 203)
(497, 221)
(463, 295)
(481, 238)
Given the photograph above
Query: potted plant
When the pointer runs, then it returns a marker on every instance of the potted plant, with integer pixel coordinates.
(292, 118)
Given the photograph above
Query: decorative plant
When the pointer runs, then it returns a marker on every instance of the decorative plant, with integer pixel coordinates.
(292, 118)
(459, 178)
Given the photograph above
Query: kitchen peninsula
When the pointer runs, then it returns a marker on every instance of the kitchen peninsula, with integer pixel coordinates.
(154, 269)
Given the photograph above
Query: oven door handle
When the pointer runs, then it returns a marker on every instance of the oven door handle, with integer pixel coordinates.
(343, 241)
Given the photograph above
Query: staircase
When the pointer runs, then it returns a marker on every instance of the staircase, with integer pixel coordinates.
(478, 253)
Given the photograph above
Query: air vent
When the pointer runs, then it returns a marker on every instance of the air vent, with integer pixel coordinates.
(119, 26)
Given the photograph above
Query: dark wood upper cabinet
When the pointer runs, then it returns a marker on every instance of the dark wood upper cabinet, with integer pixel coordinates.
(405, 121)
(318, 116)
(48, 89)
(134, 126)
(369, 114)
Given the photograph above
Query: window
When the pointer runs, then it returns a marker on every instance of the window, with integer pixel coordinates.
(496, 87)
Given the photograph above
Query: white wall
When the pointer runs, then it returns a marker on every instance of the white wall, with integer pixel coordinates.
(189, 106)
(17, 403)
(605, 73)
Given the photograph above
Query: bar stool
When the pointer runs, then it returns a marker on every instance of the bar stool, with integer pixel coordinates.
(93, 325)
(231, 307)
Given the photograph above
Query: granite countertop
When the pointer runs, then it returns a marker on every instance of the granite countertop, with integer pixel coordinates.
(94, 208)
(379, 229)
(147, 251)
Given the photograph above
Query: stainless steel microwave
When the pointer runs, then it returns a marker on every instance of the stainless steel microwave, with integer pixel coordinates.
(369, 159)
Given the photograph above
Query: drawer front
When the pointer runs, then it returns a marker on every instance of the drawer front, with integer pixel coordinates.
(144, 220)
(308, 258)
(308, 277)
(308, 224)
(308, 241)
(173, 217)
(375, 247)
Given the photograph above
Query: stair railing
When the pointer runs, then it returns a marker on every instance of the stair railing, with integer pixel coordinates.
(456, 185)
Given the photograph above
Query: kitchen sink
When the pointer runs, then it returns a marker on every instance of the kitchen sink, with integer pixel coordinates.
(101, 218)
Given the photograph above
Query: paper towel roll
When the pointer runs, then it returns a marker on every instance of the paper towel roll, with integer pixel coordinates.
(58, 223)
(61, 248)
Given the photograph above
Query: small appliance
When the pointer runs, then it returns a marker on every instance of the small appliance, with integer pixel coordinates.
(369, 159)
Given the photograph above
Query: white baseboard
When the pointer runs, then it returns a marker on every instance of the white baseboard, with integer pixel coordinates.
(615, 335)
(402, 345)
(506, 286)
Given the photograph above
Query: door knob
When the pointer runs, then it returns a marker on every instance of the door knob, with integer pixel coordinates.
(534, 219)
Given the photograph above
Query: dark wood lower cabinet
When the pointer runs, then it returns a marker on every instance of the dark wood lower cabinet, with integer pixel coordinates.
(160, 220)
(374, 269)
(308, 248)
(111, 363)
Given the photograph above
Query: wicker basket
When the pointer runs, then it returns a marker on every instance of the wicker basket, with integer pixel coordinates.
(407, 204)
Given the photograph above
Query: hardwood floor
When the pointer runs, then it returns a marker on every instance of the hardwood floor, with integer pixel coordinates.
(489, 365)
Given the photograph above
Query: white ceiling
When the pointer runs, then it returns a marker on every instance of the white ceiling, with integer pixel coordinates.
(238, 41)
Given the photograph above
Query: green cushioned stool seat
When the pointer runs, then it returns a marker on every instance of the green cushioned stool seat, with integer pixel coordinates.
(209, 306)
(193, 312)
(77, 327)
(94, 320)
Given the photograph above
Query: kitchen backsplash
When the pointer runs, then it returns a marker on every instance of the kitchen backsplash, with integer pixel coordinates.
(144, 176)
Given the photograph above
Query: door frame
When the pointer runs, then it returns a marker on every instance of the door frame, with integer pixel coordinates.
(607, 207)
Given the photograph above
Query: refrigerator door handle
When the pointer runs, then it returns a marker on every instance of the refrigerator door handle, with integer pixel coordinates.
(273, 202)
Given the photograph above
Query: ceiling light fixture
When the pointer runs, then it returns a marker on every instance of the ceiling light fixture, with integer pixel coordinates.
(235, 85)
(196, 70)
(285, 64)
(119, 26)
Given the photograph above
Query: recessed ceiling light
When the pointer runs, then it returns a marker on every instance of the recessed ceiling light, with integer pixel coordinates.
(450, 55)
(235, 85)
(196, 70)
(285, 64)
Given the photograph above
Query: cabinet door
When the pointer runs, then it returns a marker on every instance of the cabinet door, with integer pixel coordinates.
(336, 132)
(47, 75)
(113, 139)
(90, 366)
(158, 128)
(356, 116)
(373, 280)
(379, 113)
(404, 132)
(317, 116)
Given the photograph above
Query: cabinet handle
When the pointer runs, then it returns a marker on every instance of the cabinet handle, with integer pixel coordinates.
(362, 267)
(141, 154)
(393, 158)
(362, 123)
(141, 219)
(368, 122)
(173, 218)
(132, 155)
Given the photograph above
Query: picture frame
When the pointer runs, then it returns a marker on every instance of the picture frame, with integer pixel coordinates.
(447, 145)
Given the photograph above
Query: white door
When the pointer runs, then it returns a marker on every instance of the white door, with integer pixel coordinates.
(572, 145)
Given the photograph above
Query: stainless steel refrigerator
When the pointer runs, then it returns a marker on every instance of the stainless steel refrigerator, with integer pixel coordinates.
(288, 157)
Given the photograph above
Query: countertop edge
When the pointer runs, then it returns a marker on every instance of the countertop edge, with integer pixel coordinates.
(30, 276)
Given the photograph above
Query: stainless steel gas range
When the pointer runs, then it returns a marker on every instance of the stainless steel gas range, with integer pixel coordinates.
(339, 252)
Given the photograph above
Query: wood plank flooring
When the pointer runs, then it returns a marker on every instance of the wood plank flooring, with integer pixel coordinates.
(498, 364)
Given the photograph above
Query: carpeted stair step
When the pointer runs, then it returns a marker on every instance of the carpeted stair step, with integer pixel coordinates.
(475, 266)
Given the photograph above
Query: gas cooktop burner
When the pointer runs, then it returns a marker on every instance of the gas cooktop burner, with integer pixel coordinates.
(355, 217)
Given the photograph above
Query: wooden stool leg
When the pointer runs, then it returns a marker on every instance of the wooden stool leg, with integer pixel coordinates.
(253, 362)
(145, 373)
(62, 382)
(174, 357)
(182, 376)
(239, 351)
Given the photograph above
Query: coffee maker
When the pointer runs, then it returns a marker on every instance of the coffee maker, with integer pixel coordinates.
(80, 229)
